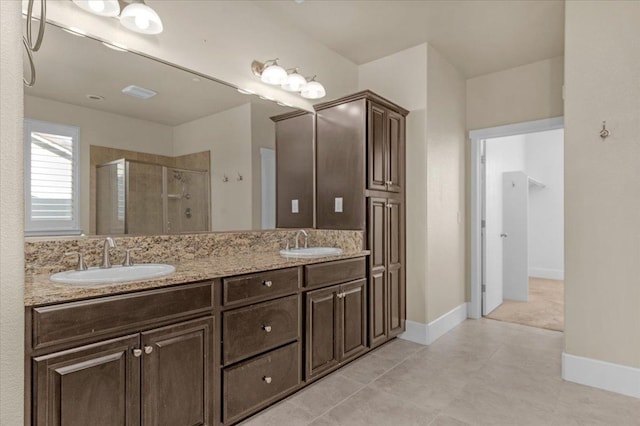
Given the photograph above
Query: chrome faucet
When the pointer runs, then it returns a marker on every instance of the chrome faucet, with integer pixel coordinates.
(108, 243)
(306, 238)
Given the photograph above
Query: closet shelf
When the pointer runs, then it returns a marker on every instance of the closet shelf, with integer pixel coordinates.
(535, 183)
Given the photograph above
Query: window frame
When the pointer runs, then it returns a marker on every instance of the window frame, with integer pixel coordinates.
(52, 227)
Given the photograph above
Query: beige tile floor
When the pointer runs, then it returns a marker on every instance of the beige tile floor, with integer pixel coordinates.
(484, 372)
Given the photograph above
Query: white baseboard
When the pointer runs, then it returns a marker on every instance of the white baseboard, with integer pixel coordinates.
(601, 374)
(549, 274)
(426, 334)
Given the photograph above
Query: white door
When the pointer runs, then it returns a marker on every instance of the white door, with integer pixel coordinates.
(515, 218)
(492, 244)
(268, 163)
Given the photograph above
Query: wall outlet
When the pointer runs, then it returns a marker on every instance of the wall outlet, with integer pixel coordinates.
(338, 205)
(294, 206)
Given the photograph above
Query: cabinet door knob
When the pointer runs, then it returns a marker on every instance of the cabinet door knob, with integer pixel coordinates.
(267, 379)
(389, 182)
(267, 283)
(137, 352)
(148, 349)
(267, 328)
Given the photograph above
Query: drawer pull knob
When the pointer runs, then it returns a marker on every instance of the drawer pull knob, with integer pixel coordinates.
(268, 283)
(267, 379)
(148, 349)
(137, 352)
(267, 328)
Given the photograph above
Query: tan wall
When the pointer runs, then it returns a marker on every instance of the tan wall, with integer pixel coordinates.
(434, 91)
(445, 186)
(525, 93)
(11, 217)
(409, 89)
(602, 181)
(227, 135)
(263, 135)
(102, 129)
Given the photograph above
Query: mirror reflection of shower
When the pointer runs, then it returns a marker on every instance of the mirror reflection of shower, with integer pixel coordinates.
(134, 197)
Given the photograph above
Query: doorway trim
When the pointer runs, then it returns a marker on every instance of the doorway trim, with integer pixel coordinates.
(475, 138)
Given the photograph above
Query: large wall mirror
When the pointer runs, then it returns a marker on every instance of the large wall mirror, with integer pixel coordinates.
(118, 143)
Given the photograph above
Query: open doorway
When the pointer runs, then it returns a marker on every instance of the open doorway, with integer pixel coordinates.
(518, 223)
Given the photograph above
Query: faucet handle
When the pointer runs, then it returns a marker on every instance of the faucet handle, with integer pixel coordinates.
(81, 266)
(287, 246)
(127, 256)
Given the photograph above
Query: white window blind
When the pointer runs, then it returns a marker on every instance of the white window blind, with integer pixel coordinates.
(51, 178)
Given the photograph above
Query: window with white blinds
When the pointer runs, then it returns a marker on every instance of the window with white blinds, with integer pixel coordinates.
(51, 178)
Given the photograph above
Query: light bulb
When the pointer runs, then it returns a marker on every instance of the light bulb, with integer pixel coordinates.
(142, 22)
(313, 90)
(274, 74)
(96, 5)
(294, 83)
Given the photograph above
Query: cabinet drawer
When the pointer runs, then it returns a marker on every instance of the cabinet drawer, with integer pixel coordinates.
(257, 382)
(258, 328)
(75, 321)
(335, 272)
(254, 287)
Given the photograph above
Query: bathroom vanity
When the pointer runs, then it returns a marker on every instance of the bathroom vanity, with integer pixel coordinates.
(198, 353)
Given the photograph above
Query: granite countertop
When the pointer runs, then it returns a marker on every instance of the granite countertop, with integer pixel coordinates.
(39, 290)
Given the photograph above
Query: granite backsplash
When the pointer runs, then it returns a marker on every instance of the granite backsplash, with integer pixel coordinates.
(48, 256)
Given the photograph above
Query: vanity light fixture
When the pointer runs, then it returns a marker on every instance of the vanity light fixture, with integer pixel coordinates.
(141, 18)
(272, 73)
(108, 8)
(313, 90)
(135, 16)
(295, 82)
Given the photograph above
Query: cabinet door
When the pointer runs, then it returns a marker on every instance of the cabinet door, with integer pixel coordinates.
(353, 318)
(322, 331)
(377, 148)
(96, 384)
(395, 151)
(395, 267)
(177, 380)
(377, 244)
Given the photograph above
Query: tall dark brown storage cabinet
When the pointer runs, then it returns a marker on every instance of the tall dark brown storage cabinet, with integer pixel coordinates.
(360, 184)
(294, 170)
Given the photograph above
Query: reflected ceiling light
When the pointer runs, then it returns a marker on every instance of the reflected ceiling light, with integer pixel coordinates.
(245, 91)
(141, 18)
(313, 90)
(110, 8)
(294, 82)
(74, 31)
(269, 71)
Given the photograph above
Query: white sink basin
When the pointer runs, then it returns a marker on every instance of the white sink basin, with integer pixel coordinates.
(311, 252)
(115, 274)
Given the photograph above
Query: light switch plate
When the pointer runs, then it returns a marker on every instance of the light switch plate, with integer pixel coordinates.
(294, 206)
(338, 205)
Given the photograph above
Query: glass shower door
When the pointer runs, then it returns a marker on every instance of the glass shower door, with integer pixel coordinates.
(186, 200)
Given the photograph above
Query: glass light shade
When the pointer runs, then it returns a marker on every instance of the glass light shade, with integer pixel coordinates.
(108, 8)
(294, 83)
(313, 90)
(274, 74)
(141, 18)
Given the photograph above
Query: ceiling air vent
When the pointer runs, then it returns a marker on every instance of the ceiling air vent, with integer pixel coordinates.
(139, 92)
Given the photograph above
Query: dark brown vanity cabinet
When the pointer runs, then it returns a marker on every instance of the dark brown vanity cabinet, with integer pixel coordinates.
(162, 375)
(360, 145)
(261, 340)
(294, 170)
(387, 299)
(336, 318)
(385, 149)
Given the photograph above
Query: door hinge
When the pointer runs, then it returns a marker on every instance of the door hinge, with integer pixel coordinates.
(483, 223)
(483, 159)
(483, 287)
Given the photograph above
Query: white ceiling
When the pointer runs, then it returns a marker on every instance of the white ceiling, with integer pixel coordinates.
(477, 36)
(69, 68)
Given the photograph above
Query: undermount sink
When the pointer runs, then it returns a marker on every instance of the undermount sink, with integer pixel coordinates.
(311, 252)
(115, 274)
